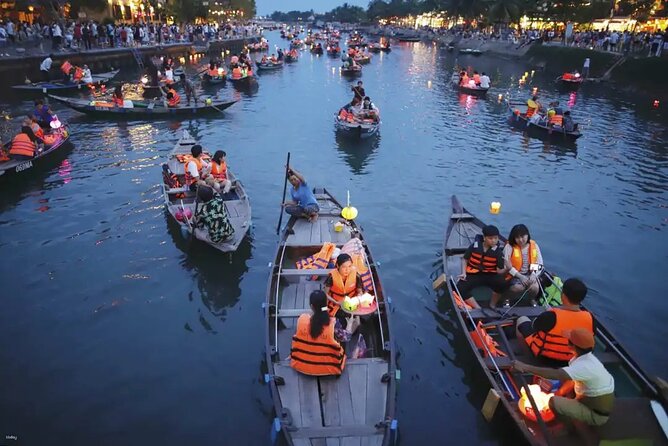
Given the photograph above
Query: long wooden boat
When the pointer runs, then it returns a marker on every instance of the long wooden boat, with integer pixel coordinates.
(242, 82)
(637, 397)
(409, 38)
(220, 78)
(352, 71)
(470, 51)
(571, 84)
(475, 91)
(359, 406)
(143, 109)
(13, 168)
(363, 60)
(181, 198)
(290, 58)
(98, 79)
(358, 128)
(269, 66)
(519, 121)
(318, 50)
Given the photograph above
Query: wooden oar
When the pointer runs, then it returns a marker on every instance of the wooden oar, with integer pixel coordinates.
(285, 188)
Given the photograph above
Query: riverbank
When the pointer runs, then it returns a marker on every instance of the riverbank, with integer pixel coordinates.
(16, 69)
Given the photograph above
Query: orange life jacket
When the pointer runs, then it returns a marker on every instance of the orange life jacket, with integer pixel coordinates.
(557, 120)
(321, 356)
(189, 178)
(553, 344)
(37, 130)
(479, 262)
(341, 289)
(464, 80)
(78, 73)
(118, 101)
(567, 76)
(219, 171)
(516, 257)
(319, 260)
(66, 67)
(22, 145)
(481, 338)
(176, 99)
(363, 271)
(213, 72)
(236, 73)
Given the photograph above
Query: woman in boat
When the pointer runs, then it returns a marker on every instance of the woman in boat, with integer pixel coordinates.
(520, 254)
(43, 113)
(303, 202)
(87, 77)
(344, 281)
(24, 144)
(212, 215)
(594, 386)
(218, 178)
(315, 351)
(117, 96)
(369, 110)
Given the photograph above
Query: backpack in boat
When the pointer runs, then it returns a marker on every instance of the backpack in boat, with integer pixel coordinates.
(551, 291)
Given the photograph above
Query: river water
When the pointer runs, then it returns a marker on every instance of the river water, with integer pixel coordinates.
(113, 333)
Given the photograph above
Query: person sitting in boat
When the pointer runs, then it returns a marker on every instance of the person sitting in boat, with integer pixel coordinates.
(264, 60)
(369, 110)
(87, 77)
(538, 119)
(43, 112)
(234, 61)
(273, 58)
(303, 202)
(36, 127)
(463, 78)
(554, 120)
(533, 106)
(196, 169)
(213, 70)
(212, 215)
(315, 351)
(280, 55)
(218, 177)
(343, 281)
(24, 144)
(172, 98)
(568, 123)
(236, 72)
(521, 254)
(544, 335)
(169, 76)
(484, 81)
(476, 78)
(117, 96)
(483, 265)
(594, 386)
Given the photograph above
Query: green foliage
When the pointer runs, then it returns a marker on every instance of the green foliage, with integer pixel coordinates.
(291, 16)
(346, 14)
(186, 10)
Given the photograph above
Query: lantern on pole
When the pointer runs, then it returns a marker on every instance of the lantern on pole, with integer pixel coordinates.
(349, 212)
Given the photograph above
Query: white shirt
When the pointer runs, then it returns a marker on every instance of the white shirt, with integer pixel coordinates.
(169, 74)
(590, 376)
(192, 168)
(484, 81)
(46, 64)
(586, 64)
(87, 76)
(57, 32)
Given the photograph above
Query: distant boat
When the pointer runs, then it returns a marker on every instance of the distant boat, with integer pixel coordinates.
(98, 79)
(13, 168)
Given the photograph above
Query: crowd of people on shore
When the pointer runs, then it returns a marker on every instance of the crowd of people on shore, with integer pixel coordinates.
(86, 35)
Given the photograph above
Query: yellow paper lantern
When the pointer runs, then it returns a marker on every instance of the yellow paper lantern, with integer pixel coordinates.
(209, 101)
(495, 207)
(349, 213)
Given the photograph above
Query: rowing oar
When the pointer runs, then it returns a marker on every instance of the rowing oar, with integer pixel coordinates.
(285, 188)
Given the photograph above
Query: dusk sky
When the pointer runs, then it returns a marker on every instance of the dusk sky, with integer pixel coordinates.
(266, 7)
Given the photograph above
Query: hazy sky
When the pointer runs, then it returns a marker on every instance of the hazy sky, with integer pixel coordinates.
(266, 7)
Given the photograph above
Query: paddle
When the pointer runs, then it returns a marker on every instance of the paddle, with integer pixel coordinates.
(285, 188)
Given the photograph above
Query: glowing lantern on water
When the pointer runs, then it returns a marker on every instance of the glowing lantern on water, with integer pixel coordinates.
(495, 207)
(542, 400)
(220, 71)
(656, 103)
(500, 97)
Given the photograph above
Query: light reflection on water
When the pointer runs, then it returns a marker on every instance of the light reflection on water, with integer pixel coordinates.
(113, 305)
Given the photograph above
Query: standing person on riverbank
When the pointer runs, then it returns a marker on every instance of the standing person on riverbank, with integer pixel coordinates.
(585, 68)
(56, 36)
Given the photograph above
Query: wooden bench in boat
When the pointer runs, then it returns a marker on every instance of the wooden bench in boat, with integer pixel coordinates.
(486, 313)
(305, 272)
(339, 411)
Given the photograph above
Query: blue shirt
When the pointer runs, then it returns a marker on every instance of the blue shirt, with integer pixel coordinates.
(303, 196)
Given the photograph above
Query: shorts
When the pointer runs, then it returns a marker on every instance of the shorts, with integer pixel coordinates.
(494, 281)
(305, 211)
(575, 410)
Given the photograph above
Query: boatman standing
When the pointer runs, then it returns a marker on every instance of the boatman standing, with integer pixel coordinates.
(45, 68)
(585, 68)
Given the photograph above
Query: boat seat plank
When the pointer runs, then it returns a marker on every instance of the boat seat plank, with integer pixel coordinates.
(464, 215)
(177, 190)
(301, 442)
(305, 272)
(376, 393)
(316, 237)
(302, 233)
(351, 441)
(289, 392)
(375, 440)
(333, 442)
(329, 397)
(486, 313)
(335, 431)
(309, 401)
(289, 301)
(319, 442)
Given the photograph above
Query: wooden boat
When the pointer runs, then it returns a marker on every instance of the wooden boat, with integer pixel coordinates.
(290, 59)
(571, 84)
(363, 59)
(473, 91)
(317, 49)
(359, 406)
(236, 201)
(212, 80)
(269, 66)
(247, 81)
(98, 79)
(357, 128)
(143, 109)
(374, 47)
(470, 51)
(406, 38)
(636, 395)
(333, 51)
(352, 71)
(519, 121)
(13, 168)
